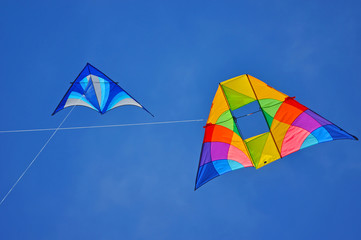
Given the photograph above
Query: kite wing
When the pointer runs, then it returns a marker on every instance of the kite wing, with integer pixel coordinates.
(95, 90)
(292, 127)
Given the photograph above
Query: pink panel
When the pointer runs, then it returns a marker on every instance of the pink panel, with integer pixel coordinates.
(293, 140)
(239, 156)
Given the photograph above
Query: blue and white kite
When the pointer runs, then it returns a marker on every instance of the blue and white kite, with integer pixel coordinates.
(93, 89)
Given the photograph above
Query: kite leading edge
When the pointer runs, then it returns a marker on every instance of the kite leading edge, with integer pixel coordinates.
(292, 127)
(93, 89)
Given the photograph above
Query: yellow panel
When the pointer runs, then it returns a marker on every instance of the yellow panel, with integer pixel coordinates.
(238, 142)
(251, 138)
(219, 106)
(279, 130)
(256, 146)
(263, 91)
(241, 85)
(270, 153)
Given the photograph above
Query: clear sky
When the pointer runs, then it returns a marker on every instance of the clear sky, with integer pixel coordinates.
(137, 182)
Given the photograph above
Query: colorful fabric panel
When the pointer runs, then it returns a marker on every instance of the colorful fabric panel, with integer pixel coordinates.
(292, 127)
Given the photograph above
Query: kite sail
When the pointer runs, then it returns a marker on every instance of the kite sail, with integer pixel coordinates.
(291, 126)
(93, 89)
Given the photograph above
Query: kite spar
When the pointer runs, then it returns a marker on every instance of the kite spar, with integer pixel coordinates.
(291, 125)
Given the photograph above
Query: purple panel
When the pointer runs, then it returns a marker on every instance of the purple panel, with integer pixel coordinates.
(306, 122)
(219, 151)
(317, 117)
(206, 154)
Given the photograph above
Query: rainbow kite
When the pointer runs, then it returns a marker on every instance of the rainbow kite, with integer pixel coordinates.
(291, 126)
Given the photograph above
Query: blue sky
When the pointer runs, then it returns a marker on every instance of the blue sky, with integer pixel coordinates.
(137, 182)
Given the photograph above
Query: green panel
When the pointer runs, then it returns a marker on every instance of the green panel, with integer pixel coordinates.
(226, 120)
(269, 119)
(235, 129)
(270, 106)
(255, 147)
(236, 99)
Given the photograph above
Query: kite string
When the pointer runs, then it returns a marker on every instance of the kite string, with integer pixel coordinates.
(101, 126)
(37, 155)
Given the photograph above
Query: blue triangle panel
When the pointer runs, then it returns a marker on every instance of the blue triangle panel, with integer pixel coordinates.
(95, 90)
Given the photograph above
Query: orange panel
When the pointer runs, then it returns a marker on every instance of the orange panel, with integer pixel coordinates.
(222, 134)
(264, 91)
(219, 106)
(287, 113)
(279, 130)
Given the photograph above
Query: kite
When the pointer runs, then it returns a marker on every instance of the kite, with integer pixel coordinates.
(93, 89)
(291, 127)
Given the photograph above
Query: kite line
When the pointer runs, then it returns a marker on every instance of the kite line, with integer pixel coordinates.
(99, 126)
(37, 155)
(73, 128)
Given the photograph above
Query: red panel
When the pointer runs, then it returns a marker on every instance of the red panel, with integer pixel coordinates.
(287, 113)
(208, 133)
(293, 102)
